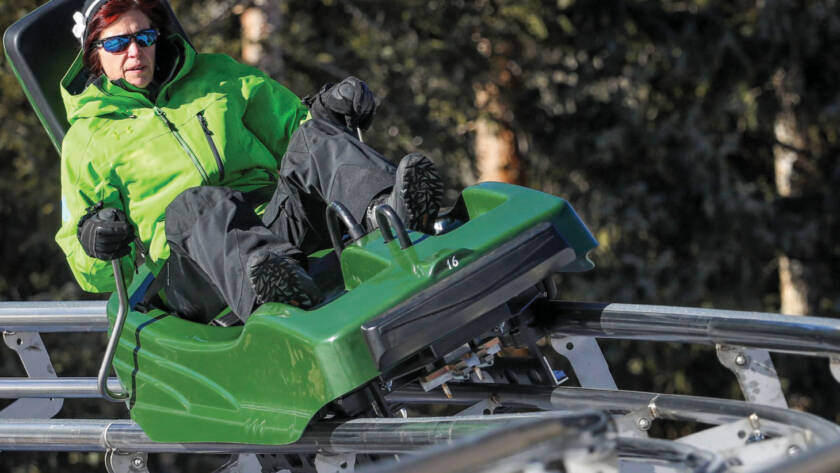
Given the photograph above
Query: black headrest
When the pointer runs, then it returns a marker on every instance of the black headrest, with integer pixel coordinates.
(40, 47)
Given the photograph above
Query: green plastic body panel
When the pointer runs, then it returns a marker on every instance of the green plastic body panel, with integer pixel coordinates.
(262, 383)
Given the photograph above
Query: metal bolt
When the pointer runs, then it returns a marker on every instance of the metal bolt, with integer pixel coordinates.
(793, 450)
(137, 462)
(446, 391)
(755, 423)
(643, 423)
(740, 359)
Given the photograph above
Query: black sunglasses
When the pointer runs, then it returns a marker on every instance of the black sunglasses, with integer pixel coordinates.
(117, 44)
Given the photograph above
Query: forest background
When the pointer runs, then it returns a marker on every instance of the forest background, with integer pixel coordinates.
(698, 139)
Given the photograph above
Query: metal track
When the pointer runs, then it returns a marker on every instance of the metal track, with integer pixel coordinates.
(740, 338)
(67, 388)
(65, 316)
(801, 335)
(380, 435)
(711, 411)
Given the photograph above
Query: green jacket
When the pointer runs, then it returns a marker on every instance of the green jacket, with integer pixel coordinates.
(216, 122)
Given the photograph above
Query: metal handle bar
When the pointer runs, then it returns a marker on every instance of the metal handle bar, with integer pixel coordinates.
(386, 219)
(122, 312)
(335, 211)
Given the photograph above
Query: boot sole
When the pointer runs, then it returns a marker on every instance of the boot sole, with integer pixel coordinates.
(276, 279)
(420, 192)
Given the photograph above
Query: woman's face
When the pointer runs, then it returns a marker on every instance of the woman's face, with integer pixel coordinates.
(136, 64)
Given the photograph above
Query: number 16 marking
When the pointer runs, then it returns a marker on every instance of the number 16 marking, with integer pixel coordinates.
(452, 262)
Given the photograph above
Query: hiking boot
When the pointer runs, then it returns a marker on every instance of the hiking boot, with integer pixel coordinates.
(279, 278)
(416, 195)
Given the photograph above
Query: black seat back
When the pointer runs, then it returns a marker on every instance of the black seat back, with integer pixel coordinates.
(40, 48)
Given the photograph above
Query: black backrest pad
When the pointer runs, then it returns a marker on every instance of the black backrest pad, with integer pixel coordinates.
(40, 48)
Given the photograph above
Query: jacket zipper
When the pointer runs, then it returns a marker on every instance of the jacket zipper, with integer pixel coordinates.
(160, 113)
(209, 135)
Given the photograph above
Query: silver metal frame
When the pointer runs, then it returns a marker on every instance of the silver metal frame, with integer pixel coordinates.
(713, 411)
(741, 339)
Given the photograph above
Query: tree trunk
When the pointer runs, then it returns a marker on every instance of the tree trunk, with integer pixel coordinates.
(497, 158)
(260, 20)
(793, 273)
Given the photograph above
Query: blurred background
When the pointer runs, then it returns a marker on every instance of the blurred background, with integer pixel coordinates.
(698, 139)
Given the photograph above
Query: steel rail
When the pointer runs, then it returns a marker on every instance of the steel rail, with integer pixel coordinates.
(796, 334)
(519, 445)
(62, 388)
(804, 335)
(549, 439)
(62, 316)
(386, 435)
(775, 421)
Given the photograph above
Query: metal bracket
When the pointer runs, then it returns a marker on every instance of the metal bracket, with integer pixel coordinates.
(756, 374)
(341, 463)
(587, 360)
(596, 459)
(36, 361)
(485, 407)
(635, 423)
(725, 436)
(242, 463)
(753, 456)
(119, 462)
(743, 444)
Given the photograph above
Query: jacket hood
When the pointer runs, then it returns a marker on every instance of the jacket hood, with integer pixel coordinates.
(86, 97)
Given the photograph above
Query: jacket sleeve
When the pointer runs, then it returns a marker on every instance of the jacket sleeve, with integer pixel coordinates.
(273, 113)
(82, 186)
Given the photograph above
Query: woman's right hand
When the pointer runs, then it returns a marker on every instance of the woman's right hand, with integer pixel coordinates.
(348, 103)
(105, 234)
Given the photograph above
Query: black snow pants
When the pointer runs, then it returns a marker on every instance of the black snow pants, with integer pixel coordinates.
(213, 230)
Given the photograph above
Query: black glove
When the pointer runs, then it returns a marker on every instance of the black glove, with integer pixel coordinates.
(349, 103)
(105, 233)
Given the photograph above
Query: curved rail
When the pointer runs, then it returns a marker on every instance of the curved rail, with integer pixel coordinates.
(661, 406)
(549, 439)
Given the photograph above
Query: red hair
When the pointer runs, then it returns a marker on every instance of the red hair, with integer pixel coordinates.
(111, 12)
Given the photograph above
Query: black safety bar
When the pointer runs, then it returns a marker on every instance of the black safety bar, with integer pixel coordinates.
(337, 213)
(387, 219)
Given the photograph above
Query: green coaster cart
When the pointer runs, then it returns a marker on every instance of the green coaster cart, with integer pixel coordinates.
(399, 302)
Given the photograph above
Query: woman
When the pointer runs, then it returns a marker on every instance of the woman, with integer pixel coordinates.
(185, 148)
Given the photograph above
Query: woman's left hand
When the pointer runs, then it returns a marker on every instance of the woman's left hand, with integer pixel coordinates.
(349, 103)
